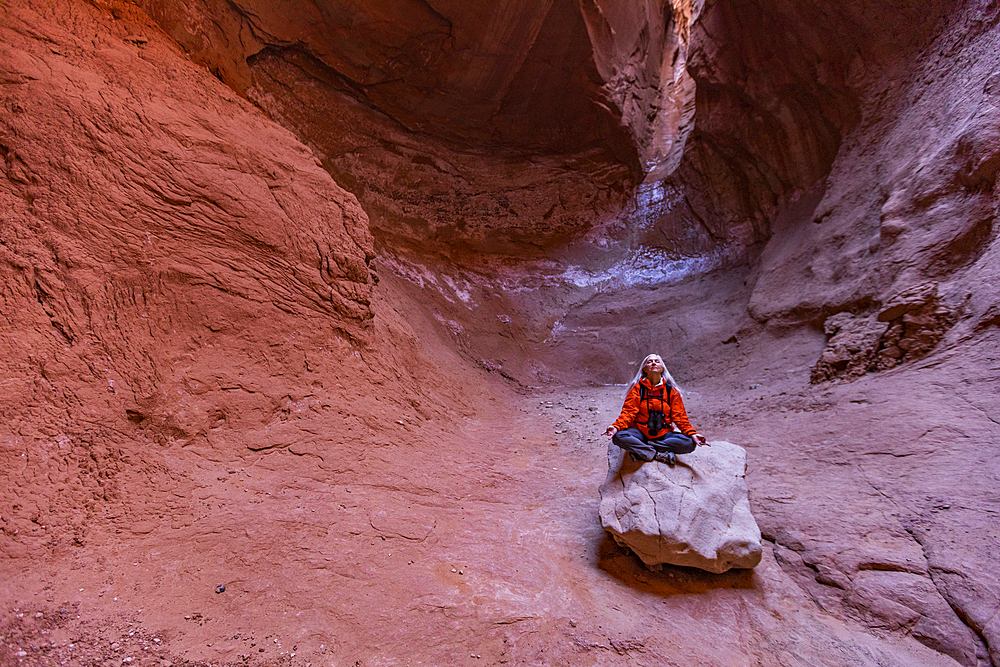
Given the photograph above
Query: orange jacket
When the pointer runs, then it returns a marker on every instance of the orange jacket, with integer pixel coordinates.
(635, 412)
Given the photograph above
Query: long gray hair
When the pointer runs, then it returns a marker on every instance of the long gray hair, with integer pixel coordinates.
(667, 377)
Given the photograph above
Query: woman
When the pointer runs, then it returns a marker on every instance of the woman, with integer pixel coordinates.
(652, 404)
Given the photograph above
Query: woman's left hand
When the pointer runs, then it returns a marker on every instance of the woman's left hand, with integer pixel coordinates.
(700, 440)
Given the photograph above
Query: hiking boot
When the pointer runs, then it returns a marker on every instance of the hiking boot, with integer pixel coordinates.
(667, 457)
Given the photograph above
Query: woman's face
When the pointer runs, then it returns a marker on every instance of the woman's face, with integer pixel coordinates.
(653, 365)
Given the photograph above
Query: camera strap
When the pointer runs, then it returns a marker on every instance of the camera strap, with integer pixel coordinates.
(664, 396)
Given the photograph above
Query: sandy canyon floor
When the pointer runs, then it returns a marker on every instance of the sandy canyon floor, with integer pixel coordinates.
(471, 536)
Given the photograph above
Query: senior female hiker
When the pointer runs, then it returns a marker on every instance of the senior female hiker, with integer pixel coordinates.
(652, 405)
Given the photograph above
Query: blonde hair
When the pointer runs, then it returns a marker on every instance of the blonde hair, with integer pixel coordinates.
(667, 377)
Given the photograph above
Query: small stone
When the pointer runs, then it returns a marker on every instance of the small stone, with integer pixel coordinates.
(221, 588)
(892, 352)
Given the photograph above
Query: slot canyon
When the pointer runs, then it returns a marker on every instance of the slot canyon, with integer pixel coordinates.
(314, 314)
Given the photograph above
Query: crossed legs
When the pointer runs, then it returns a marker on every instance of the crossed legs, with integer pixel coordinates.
(634, 441)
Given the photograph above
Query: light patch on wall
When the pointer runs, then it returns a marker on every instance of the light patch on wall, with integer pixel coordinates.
(644, 266)
(451, 289)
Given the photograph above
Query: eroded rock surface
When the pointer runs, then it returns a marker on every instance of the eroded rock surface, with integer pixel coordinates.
(911, 196)
(906, 329)
(156, 229)
(695, 514)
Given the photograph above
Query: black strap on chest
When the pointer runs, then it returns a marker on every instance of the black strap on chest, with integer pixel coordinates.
(663, 395)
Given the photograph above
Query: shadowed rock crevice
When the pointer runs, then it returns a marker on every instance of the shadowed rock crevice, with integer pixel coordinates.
(447, 193)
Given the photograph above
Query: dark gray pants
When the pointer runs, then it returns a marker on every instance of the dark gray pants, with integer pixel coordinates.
(633, 440)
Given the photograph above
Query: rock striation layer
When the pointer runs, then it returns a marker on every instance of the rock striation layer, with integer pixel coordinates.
(156, 228)
(695, 514)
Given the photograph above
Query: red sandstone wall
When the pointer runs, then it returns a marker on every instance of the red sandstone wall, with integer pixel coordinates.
(165, 249)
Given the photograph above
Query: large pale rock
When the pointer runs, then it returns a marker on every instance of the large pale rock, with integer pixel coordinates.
(696, 514)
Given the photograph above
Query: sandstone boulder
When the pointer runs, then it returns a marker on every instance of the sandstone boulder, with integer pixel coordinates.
(696, 514)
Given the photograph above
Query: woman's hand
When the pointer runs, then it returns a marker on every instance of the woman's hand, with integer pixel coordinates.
(611, 432)
(700, 440)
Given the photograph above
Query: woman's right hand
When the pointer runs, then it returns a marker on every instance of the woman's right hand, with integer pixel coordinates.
(611, 432)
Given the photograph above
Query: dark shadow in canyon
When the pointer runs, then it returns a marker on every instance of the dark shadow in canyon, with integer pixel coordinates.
(627, 568)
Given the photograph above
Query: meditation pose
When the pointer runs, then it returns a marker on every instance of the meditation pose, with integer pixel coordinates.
(652, 406)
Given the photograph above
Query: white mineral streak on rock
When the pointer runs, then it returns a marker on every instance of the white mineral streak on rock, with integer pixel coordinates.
(696, 514)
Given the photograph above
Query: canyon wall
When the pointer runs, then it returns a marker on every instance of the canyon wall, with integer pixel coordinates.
(862, 141)
(538, 117)
(173, 262)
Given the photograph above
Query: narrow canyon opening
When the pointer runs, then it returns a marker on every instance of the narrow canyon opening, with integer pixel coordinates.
(314, 314)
